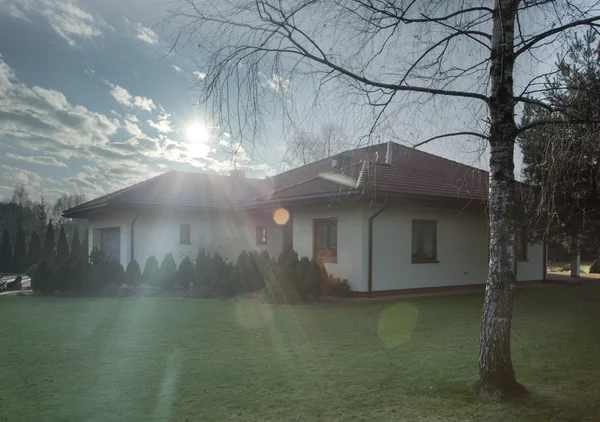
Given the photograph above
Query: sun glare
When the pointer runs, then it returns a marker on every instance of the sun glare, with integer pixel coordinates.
(197, 132)
(197, 139)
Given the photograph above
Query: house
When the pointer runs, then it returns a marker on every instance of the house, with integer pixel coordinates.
(385, 217)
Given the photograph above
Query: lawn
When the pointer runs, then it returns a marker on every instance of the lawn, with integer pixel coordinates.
(186, 359)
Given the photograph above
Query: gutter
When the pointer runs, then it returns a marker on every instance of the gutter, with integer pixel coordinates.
(70, 212)
(132, 234)
(371, 218)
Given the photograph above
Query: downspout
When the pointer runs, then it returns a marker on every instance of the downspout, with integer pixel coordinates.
(371, 218)
(132, 233)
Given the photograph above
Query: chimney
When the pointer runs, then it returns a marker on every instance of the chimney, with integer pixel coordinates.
(389, 152)
(341, 160)
(238, 173)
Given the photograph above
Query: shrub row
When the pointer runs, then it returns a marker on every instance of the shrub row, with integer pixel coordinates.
(286, 279)
(101, 274)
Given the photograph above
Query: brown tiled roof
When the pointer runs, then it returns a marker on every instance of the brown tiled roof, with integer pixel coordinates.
(411, 172)
(182, 189)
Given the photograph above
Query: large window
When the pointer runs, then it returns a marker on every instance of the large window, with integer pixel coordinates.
(261, 235)
(424, 239)
(185, 235)
(108, 240)
(325, 239)
(521, 244)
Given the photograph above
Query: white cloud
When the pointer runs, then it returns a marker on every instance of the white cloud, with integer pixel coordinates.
(15, 12)
(162, 126)
(36, 159)
(279, 84)
(41, 118)
(122, 96)
(24, 176)
(199, 75)
(142, 33)
(132, 128)
(176, 68)
(68, 20)
(35, 119)
(143, 103)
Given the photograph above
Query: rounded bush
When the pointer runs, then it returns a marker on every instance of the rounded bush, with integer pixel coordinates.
(186, 274)
(133, 275)
(150, 269)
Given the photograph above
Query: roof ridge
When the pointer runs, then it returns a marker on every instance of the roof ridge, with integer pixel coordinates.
(327, 158)
(210, 174)
(318, 176)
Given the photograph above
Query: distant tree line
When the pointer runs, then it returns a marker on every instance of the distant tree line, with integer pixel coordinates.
(28, 231)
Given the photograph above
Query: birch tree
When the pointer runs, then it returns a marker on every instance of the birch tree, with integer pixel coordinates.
(389, 59)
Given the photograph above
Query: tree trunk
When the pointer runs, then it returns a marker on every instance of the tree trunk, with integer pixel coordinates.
(574, 252)
(496, 374)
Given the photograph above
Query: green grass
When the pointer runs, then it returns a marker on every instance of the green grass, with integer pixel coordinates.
(171, 359)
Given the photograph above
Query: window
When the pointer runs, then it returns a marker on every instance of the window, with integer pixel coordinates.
(325, 239)
(108, 240)
(424, 234)
(185, 237)
(261, 235)
(521, 244)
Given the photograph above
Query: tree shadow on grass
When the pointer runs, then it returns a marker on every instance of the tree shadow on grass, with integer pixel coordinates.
(554, 407)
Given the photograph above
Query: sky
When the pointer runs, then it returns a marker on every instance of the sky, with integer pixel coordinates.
(91, 102)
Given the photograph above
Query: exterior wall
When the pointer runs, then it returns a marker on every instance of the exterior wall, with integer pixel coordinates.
(157, 234)
(533, 268)
(351, 240)
(462, 245)
(462, 250)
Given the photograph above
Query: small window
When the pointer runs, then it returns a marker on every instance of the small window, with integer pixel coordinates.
(185, 237)
(325, 239)
(261, 235)
(521, 244)
(424, 239)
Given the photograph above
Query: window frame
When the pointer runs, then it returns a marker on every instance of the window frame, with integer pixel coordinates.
(417, 260)
(188, 235)
(261, 232)
(316, 248)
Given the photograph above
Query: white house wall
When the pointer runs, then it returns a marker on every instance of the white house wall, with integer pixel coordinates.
(351, 252)
(462, 250)
(462, 245)
(156, 234)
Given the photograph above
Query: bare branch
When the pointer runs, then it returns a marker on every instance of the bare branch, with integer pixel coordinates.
(448, 135)
(533, 41)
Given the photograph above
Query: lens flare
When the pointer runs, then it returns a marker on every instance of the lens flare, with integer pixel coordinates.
(396, 324)
(253, 315)
(281, 216)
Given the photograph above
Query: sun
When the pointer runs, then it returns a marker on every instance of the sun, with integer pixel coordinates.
(197, 132)
(197, 140)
